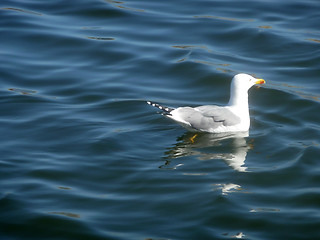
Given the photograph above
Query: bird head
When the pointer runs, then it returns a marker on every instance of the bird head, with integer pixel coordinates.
(245, 81)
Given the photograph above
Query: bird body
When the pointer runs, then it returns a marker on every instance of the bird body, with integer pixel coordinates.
(233, 117)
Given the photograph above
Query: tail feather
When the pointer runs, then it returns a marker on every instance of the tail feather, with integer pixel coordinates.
(166, 110)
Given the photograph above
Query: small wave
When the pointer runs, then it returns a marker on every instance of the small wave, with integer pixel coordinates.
(120, 4)
(22, 10)
(226, 18)
(102, 38)
(28, 92)
(66, 214)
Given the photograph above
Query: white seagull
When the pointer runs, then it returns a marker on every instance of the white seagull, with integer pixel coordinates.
(233, 117)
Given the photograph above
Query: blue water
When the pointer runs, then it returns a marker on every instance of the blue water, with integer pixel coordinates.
(84, 157)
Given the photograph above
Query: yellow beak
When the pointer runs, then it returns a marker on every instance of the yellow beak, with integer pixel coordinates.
(260, 81)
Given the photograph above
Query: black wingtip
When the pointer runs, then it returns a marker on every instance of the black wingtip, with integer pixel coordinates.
(166, 110)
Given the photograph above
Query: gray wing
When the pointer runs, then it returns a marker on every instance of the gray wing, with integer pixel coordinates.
(219, 114)
(208, 117)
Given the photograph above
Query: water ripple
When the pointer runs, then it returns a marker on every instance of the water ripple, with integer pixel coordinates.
(83, 155)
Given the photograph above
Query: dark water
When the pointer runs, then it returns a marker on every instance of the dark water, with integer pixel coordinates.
(84, 157)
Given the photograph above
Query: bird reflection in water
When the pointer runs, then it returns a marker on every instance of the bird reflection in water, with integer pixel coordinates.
(230, 147)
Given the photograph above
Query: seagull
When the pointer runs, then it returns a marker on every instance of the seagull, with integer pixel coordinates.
(234, 117)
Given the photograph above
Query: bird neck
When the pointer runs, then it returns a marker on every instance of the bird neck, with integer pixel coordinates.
(238, 99)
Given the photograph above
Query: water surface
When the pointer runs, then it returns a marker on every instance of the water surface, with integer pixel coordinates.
(84, 157)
